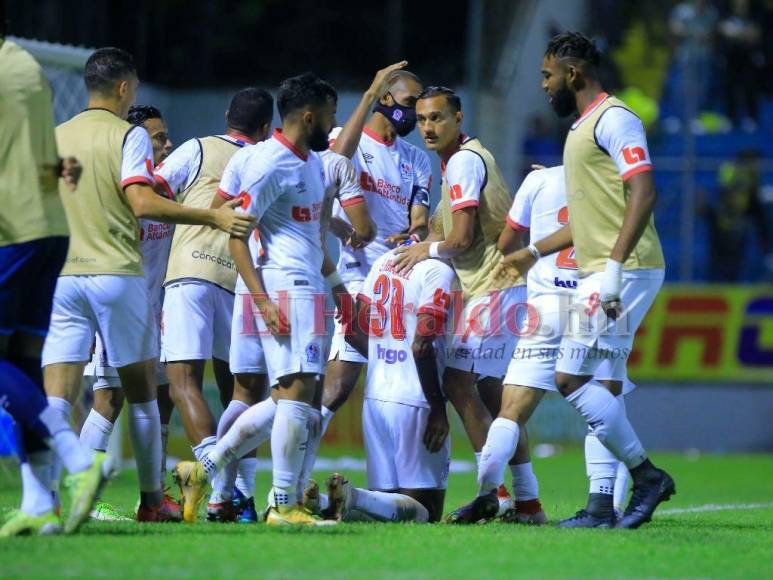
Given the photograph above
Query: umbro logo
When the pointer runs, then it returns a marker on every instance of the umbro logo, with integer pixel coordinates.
(368, 157)
(300, 187)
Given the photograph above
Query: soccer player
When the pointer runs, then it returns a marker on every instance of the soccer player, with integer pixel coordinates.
(284, 189)
(200, 279)
(471, 215)
(404, 418)
(395, 177)
(33, 246)
(155, 239)
(101, 288)
(610, 199)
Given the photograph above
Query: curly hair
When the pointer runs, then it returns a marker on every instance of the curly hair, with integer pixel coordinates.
(574, 45)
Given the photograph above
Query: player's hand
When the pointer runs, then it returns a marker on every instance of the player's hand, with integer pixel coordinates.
(537, 166)
(71, 171)
(611, 285)
(437, 428)
(234, 224)
(520, 260)
(340, 229)
(505, 275)
(273, 316)
(397, 239)
(409, 256)
(380, 85)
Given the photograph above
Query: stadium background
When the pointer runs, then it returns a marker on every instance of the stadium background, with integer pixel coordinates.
(704, 357)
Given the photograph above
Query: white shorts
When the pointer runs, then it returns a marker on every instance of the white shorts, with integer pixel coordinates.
(483, 344)
(395, 454)
(302, 350)
(196, 322)
(590, 337)
(538, 349)
(339, 348)
(246, 348)
(116, 307)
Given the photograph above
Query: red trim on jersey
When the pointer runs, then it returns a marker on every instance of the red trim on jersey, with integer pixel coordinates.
(376, 137)
(283, 140)
(515, 225)
(138, 179)
(352, 201)
(465, 204)
(641, 169)
(224, 194)
(159, 179)
(592, 105)
(240, 137)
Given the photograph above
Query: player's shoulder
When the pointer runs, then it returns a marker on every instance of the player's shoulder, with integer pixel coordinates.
(538, 178)
(463, 160)
(16, 59)
(409, 149)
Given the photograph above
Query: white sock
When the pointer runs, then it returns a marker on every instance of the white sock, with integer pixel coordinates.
(312, 446)
(288, 448)
(223, 482)
(327, 416)
(250, 429)
(204, 447)
(324, 501)
(388, 507)
(145, 435)
(606, 417)
(164, 444)
(600, 465)
(36, 498)
(64, 442)
(525, 484)
(245, 475)
(499, 448)
(621, 486)
(96, 431)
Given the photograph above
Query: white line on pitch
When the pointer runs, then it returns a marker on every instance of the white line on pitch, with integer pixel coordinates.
(715, 507)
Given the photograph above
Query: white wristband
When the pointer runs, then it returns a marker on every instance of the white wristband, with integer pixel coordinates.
(534, 251)
(334, 279)
(614, 268)
(434, 250)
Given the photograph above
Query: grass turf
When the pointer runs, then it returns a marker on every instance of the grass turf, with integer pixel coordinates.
(722, 543)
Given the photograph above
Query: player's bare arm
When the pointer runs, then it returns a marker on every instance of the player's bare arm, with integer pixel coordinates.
(347, 141)
(523, 259)
(275, 319)
(356, 334)
(638, 211)
(419, 226)
(363, 229)
(459, 239)
(145, 203)
(341, 297)
(424, 357)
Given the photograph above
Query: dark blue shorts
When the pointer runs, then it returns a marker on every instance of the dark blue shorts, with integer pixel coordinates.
(28, 274)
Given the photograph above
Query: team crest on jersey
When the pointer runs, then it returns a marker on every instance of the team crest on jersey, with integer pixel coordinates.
(406, 170)
(312, 353)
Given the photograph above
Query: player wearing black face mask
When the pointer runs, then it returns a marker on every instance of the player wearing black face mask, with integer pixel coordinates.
(402, 117)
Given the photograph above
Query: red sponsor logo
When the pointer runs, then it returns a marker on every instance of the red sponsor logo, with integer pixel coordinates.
(246, 199)
(633, 155)
(301, 214)
(455, 192)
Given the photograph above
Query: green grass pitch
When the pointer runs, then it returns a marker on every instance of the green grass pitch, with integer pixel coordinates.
(728, 534)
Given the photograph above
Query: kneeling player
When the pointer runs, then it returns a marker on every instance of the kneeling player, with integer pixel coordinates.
(407, 473)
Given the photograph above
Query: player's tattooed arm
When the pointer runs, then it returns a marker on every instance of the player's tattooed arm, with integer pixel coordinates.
(349, 137)
(457, 241)
(424, 357)
(273, 316)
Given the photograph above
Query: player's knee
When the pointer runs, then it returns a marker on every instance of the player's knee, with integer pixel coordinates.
(336, 391)
(564, 384)
(108, 403)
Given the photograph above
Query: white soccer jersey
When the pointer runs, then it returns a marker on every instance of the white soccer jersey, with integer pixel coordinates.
(341, 184)
(539, 207)
(396, 300)
(285, 191)
(393, 177)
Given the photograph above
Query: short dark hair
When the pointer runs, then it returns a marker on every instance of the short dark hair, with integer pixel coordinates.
(249, 110)
(403, 74)
(452, 98)
(105, 67)
(574, 45)
(304, 90)
(138, 114)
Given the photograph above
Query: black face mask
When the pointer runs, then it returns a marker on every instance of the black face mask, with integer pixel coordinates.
(318, 140)
(403, 118)
(563, 102)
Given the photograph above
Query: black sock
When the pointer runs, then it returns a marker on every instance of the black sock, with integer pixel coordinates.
(601, 505)
(643, 472)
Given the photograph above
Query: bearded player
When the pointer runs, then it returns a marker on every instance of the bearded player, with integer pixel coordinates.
(610, 198)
